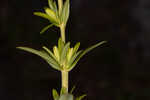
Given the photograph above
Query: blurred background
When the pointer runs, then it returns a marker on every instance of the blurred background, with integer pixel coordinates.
(118, 70)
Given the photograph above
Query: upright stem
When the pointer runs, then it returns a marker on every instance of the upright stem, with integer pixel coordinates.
(65, 76)
(62, 30)
(64, 73)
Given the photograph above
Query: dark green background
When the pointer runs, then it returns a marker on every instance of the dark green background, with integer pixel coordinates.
(119, 70)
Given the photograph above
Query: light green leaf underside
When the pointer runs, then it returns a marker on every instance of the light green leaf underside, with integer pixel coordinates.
(43, 55)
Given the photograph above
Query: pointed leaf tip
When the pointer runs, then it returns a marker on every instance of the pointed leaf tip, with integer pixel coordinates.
(76, 47)
(40, 14)
(49, 52)
(82, 53)
(44, 55)
(56, 53)
(92, 47)
(46, 28)
(73, 88)
(52, 15)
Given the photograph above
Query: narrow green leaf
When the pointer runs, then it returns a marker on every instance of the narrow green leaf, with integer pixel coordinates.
(43, 55)
(81, 97)
(56, 53)
(65, 12)
(51, 5)
(51, 15)
(66, 97)
(36, 52)
(86, 51)
(69, 54)
(56, 9)
(55, 94)
(76, 47)
(64, 52)
(46, 16)
(55, 6)
(50, 12)
(92, 47)
(46, 28)
(57, 67)
(72, 60)
(74, 54)
(43, 15)
(73, 88)
(49, 52)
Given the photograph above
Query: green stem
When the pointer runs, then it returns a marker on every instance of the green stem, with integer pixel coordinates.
(62, 30)
(65, 76)
(64, 73)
